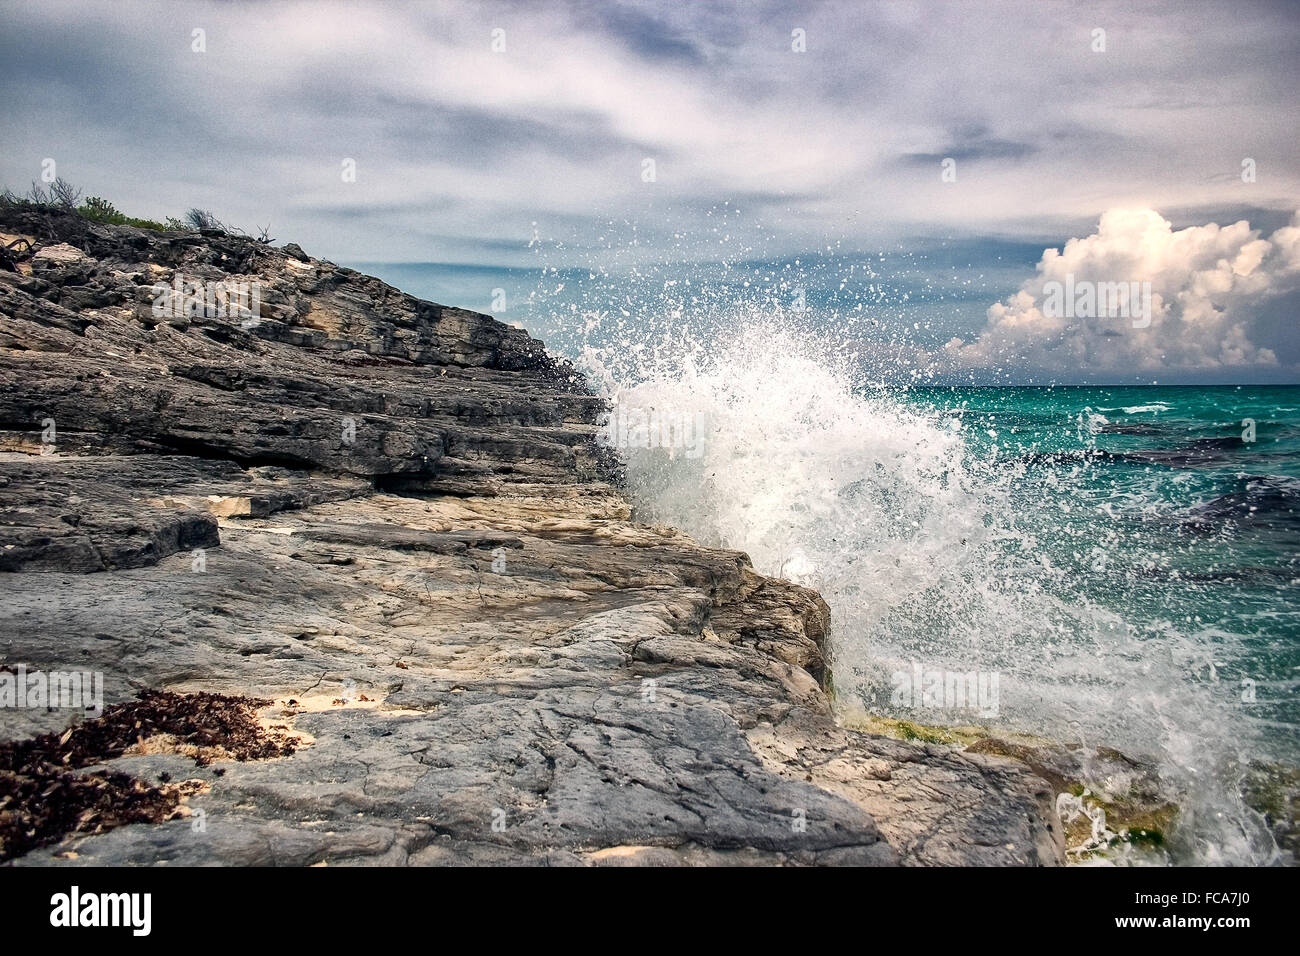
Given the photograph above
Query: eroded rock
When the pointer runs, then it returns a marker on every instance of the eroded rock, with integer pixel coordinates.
(404, 502)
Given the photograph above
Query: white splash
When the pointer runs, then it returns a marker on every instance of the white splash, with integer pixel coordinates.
(913, 542)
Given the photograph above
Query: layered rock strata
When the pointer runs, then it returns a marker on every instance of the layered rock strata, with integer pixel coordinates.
(390, 519)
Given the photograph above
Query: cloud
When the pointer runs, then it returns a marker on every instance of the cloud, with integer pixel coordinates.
(849, 134)
(1213, 296)
(971, 144)
(645, 34)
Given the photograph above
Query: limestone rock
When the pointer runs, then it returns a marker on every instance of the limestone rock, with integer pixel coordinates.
(391, 518)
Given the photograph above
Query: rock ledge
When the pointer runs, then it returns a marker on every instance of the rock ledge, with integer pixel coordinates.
(390, 517)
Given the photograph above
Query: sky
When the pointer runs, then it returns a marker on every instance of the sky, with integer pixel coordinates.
(982, 147)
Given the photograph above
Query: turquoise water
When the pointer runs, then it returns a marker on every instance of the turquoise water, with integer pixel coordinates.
(1154, 503)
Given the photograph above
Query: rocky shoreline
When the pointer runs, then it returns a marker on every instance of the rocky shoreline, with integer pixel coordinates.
(385, 528)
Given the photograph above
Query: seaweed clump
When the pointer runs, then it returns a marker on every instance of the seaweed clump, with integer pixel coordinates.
(44, 797)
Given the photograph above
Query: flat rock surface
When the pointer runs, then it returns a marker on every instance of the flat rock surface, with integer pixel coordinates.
(391, 519)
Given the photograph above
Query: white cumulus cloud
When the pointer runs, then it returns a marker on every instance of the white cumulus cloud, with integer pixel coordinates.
(1209, 286)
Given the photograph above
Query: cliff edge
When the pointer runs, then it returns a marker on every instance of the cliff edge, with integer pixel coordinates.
(381, 532)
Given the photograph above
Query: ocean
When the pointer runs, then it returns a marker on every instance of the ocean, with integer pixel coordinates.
(1174, 509)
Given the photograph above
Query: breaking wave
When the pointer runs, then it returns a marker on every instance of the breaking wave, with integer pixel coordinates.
(912, 532)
